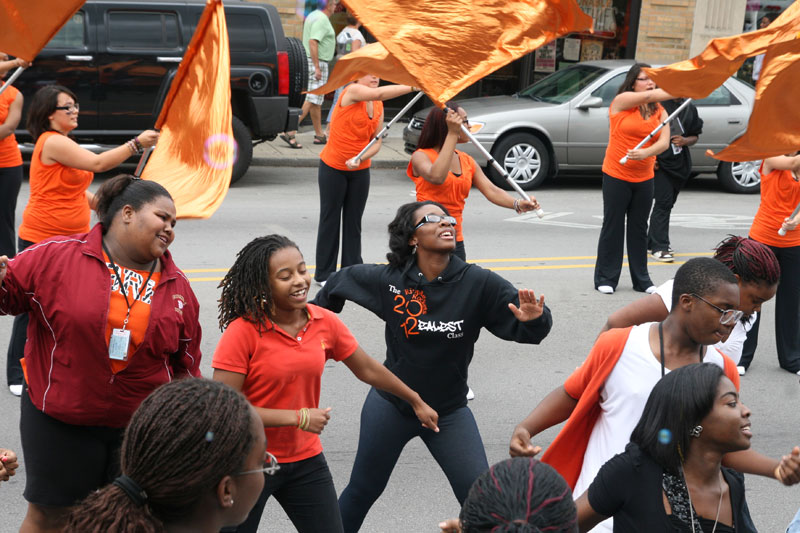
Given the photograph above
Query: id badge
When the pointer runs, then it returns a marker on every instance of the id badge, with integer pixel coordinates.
(118, 344)
(676, 149)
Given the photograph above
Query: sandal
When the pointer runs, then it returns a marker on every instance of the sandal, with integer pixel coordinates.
(320, 139)
(290, 140)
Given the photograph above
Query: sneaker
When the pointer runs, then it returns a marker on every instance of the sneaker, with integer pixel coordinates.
(470, 394)
(741, 370)
(16, 390)
(664, 257)
(651, 289)
(605, 289)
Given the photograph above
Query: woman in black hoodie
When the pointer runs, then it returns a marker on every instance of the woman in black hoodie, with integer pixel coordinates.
(434, 305)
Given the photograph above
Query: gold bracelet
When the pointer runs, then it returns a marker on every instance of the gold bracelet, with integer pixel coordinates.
(778, 475)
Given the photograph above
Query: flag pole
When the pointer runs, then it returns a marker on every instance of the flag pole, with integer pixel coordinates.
(143, 161)
(12, 78)
(385, 131)
(782, 231)
(658, 128)
(499, 168)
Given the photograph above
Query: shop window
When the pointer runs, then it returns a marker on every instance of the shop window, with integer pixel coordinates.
(72, 35)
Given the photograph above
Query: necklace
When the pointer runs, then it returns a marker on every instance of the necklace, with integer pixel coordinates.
(691, 507)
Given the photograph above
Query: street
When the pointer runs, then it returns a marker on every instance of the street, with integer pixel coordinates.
(554, 256)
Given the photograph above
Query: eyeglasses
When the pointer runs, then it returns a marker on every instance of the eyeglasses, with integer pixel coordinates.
(435, 218)
(70, 109)
(728, 316)
(270, 467)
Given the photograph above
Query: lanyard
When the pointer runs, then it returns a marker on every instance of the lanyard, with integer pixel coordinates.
(124, 290)
(661, 345)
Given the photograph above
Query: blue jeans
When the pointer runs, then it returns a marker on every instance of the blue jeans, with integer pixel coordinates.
(794, 527)
(457, 448)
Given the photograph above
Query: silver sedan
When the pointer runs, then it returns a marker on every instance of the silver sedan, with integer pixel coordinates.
(560, 125)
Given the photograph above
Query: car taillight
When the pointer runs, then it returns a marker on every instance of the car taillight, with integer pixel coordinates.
(283, 73)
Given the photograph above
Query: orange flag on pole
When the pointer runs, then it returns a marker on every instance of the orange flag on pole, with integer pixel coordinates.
(371, 59)
(27, 26)
(697, 77)
(194, 156)
(447, 45)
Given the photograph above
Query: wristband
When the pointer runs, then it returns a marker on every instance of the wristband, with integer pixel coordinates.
(778, 473)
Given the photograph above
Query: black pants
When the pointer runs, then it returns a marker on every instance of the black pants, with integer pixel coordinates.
(19, 334)
(623, 199)
(787, 314)
(666, 193)
(342, 194)
(305, 491)
(10, 182)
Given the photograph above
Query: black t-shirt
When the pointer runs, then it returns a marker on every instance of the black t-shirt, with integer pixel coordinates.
(687, 123)
(628, 487)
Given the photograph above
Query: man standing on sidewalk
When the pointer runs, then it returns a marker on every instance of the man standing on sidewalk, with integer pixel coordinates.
(319, 40)
(673, 167)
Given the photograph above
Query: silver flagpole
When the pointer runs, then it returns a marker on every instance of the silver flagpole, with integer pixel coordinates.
(652, 133)
(12, 78)
(143, 161)
(385, 131)
(782, 231)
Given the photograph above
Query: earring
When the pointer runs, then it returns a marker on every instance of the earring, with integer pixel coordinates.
(695, 431)
(414, 251)
(230, 502)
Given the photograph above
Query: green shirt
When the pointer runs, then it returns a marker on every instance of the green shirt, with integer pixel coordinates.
(318, 27)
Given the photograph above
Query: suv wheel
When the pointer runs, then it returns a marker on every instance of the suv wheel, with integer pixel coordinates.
(244, 142)
(525, 158)
(298, 71)
(742, 178)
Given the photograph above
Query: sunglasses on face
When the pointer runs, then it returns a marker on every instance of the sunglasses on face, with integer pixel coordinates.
(434, 219)
(727, 316)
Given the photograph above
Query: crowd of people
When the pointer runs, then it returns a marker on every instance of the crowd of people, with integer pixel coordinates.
(655, 436)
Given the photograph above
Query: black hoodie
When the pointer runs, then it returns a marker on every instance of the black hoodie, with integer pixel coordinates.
(432, 326)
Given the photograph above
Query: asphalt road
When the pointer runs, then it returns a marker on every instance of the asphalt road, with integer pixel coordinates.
(554, 256)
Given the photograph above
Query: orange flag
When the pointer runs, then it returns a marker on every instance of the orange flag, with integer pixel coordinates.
(697, 77)
(447, 45)
(194, 156)
(774, 125)
(28, 25)
(370, 59)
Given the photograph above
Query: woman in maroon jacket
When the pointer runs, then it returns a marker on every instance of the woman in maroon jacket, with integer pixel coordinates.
(111, 319)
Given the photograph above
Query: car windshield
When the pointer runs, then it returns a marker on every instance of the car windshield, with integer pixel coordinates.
(561, 86)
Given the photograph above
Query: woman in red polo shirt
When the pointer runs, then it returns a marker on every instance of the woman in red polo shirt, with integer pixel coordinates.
(628, 188)
(273, 349)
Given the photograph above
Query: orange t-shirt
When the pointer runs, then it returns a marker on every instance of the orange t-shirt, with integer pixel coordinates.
(132, 281)
(453, 192)
(10, 155)
(780, 194)
(351, 131)
(284, 372)
(627, 129)
(57, 203)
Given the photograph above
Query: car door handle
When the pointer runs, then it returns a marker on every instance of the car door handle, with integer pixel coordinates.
(164, 59)
(734, 121)
(79, 58)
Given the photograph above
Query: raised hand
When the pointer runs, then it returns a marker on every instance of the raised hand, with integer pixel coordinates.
(529, 308)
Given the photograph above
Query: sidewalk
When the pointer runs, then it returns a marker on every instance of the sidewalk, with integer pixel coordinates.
(277, 153)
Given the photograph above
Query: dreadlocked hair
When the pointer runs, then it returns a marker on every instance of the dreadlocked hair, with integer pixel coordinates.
(181, 441)
(245, 288)
(752, 261)
(519, 495)
(401, 229)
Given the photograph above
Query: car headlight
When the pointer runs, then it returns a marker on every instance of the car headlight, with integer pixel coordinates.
(475, 127)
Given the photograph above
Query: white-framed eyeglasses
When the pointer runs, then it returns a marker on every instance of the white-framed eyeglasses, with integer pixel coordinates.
(270, 467)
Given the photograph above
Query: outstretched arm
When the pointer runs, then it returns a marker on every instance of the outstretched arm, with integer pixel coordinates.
(553, 409)
(786, 470)
(650, 308)
(631, 99)
(587, 516)
(361, 93)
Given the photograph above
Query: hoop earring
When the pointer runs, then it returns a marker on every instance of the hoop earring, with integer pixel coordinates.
(695, 431)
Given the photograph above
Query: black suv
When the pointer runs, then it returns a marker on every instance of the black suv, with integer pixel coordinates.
(119, 57)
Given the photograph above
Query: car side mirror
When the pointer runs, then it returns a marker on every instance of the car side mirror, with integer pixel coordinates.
(591, 102)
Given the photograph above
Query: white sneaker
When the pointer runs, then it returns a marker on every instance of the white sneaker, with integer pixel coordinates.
(16, 390)
(470, 394)
(605, 289)
(664, 257)
(651, 289)
(742, 370)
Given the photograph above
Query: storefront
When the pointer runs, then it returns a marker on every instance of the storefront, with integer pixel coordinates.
(754, 16)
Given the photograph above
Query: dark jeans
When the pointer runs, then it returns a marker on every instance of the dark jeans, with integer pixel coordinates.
(342, 195)
(457, 448)
(666, 193)
(305, 491)
(787, 314)
(623, 199)
(19, 334)
(10, 182)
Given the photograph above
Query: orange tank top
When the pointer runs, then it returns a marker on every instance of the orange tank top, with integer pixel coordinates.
(57, 203)
(10, 155)
(627, 129)
(780, 194)
(453, 192)
(351, 131)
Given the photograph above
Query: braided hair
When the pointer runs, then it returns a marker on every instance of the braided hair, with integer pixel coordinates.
(245, 288)
(401, 229)
(181, 441)
(519, 495)
(752, 261)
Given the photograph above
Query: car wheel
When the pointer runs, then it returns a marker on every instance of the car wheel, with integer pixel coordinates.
(244, 143)
(742, 178)
(298, 71)
(525, 158)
